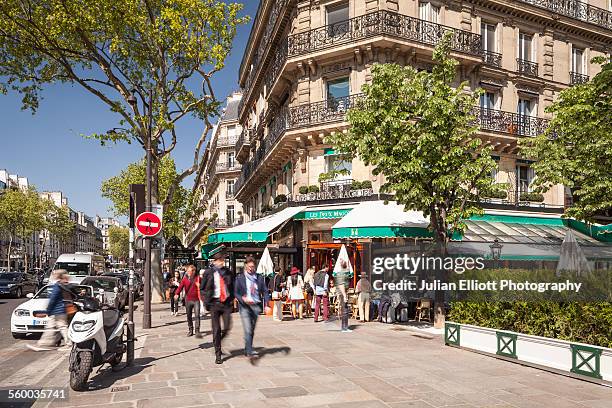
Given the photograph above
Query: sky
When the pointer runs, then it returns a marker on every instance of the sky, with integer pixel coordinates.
(49, 148)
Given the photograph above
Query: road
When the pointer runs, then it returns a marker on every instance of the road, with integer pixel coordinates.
(15, 358)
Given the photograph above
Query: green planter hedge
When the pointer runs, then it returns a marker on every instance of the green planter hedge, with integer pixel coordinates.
(589, 323)
(535, 197)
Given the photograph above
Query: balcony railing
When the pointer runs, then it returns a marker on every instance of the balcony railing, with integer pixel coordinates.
(221, 167)
(243, 140)
(577, 78)
(527, 67)
(508, 122)
(227, 141)
(492, 58)
(330, 110)
(576, 9)
(382, 22)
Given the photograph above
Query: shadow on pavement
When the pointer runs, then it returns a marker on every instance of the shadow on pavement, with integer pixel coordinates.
(260, 350)
(106, 377)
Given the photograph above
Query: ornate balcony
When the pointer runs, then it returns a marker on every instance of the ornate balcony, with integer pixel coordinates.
(227, 167)
(243, 143)
(381, 22)
(492, 58)
(576, 9)
(508, 122)
(330, 110)
(527, 67)
(577, 78)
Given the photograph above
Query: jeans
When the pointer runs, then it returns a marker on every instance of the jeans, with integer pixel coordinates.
(56, 325)
(318, 299)
(193, 306)
(220, 311)
(248, 315)
(174, 304)
(344, 312)
(364, 306)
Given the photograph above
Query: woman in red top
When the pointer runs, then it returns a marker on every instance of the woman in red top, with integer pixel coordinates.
(191, 284)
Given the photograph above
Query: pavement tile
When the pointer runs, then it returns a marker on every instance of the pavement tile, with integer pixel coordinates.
(354, 397)
(278, 392)
(143, 394)
(176, 402)
(77, 399)
(382, 390)
(237, 397)
(200, 389)
(149, 385)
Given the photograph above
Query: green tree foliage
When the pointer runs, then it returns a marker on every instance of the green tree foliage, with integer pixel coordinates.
(116, 189)
(119, 242)
(576, 149)
(163, 52)
(417, 129)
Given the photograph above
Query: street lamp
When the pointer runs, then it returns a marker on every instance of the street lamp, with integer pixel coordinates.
(496, 248)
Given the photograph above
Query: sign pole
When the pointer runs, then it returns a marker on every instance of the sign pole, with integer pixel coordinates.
(130, 324)
(146, 318)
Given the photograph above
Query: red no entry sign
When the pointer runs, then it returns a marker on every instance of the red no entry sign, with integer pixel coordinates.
(148, 224)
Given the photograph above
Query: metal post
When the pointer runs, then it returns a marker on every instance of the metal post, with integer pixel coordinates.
(130, 324)
(146, 318)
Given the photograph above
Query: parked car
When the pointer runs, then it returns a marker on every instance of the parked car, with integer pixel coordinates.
(125, 278)
(17, 284)
(31, 316)
(113, 291)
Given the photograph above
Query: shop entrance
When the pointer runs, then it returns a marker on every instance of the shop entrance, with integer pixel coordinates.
(320, 254)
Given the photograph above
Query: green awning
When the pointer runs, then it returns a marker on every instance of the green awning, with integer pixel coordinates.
(324, 212)
(210, 249)
(375, 219)
(257, 230)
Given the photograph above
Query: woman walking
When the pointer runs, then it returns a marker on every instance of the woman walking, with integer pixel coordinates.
(277, 284)
(295, 285)
(173, 284)
(309, 290)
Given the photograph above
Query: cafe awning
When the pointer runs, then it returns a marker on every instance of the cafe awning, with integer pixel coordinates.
(375, 219)
(324, 212)
(257, 230)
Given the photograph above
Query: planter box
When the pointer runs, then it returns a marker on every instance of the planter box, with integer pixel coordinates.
(581, 360)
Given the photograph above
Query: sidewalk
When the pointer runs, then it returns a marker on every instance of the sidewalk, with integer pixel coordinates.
(304, 364)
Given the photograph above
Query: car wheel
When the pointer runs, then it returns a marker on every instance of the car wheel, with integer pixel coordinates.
(18, 335)
(18, 293)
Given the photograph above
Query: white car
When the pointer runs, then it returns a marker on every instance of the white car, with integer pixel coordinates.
(31, 316)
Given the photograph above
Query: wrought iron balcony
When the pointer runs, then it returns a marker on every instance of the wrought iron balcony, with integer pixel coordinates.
(577, 78)
(227, 141)
(223, 167)
(229, 195)
(576, 9)
(330, 110)
(509, 122)
(243, 142)
(381, 22)
(527, 67)
(492, 58)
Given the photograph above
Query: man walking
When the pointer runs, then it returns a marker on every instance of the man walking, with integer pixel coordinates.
(363, 290)
(57, 322)
(218, 294)
(321, 288)
(191, 284)
(251, 293)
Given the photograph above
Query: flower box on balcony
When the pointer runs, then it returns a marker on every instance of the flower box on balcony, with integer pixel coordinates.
(534, 197)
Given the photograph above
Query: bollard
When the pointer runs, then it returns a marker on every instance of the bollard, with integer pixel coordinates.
(130, 324)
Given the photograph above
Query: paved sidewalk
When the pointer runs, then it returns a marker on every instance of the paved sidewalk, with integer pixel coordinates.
(304, 364)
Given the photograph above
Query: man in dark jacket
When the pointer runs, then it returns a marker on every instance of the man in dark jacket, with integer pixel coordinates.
(252, 294)
(218, 295)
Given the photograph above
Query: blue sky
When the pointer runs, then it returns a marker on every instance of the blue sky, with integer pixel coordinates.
(48, 147)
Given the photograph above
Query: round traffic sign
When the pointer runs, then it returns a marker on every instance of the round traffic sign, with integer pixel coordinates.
(148, 224)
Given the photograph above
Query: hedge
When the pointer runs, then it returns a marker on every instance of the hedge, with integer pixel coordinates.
(589, 323)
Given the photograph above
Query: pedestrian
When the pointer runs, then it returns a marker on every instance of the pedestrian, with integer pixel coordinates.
(295, 286)
(218, 294)
(252, 294)
(321, 287)
(308, 291)
(57, 323)
(277, 285)
(173, 284)
(363, 290)
(202, 308)
(191, 284)
(341, 281)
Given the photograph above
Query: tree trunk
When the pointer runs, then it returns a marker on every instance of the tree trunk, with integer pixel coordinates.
(8, 253)
(438, 220)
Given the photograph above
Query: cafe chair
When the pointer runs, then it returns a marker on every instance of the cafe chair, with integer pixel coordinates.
(423, 310)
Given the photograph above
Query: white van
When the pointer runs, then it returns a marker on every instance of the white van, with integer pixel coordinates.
(80, 265)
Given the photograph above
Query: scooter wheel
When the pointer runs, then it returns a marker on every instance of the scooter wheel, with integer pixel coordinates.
(116, 360)
(81, 370)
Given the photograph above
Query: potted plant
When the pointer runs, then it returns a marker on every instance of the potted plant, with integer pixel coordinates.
(356, 185)
(281, 198)
(313, 189)
(366, 184)
(498, 190)
(303, 190)
(535, 197)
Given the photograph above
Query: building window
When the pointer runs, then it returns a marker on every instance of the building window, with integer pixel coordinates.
(525, 107)
(230, 187)
(524, 176)
(230, 215)
(524, 47)
(289, 181)
(488, 37)
(578, 60)
(231, 131)
(488, 100)
(338, 91)
(429, 12)
(231, 159)
(339, 164)
(337, 16)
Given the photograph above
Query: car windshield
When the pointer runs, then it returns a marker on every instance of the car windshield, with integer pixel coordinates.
(124, 278)
(81, 290)
(9, 276)
(105, 284)
(73, 268)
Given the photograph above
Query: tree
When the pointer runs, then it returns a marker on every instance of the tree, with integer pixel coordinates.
(576, 148)
(119, 242)
(418, 130)
(117, 191)
(151, 62)
(57, 222)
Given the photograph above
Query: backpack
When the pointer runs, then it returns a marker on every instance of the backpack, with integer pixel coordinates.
(319, 279)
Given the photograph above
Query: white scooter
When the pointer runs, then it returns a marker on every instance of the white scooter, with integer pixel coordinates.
(96, 333)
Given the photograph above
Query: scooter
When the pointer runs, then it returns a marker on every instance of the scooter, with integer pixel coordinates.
(96, 333)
